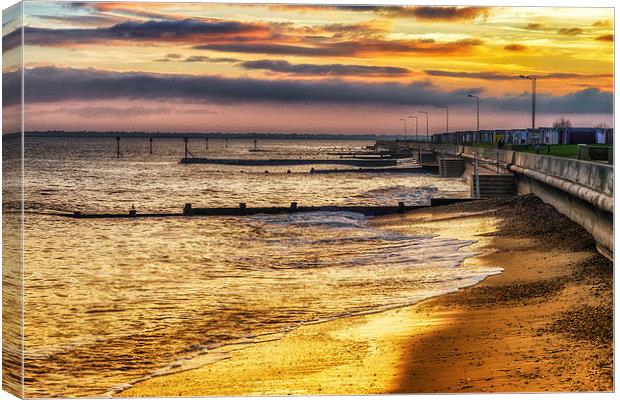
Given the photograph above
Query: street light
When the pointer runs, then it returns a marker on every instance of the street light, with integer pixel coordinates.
(477, 110)
(426, 113)
(404, 124)
(533, 79)
(446, 107)
(416, 126)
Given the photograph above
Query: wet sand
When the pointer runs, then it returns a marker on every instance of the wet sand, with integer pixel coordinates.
(544, 324)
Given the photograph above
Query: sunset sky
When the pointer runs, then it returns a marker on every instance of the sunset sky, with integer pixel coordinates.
(308, 69)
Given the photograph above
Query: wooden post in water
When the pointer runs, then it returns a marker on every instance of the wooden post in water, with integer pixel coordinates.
(401, 207)
(226, 141)
(150, 145)
(206, 143)
(255, 145)
(187, 210)
(118, 147)
(185, 140)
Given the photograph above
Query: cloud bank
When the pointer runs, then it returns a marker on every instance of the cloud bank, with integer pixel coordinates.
(53, 84)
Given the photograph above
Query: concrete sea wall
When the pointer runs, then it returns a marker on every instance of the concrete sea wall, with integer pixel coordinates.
(581, 190)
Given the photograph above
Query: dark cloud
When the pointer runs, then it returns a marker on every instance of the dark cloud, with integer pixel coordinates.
(76, 5)
(570, 31)
(52, 84)
(325, 69)
(500, 76)
(590, 100)
(606, 38)
(169, 57)
(192, 59)
(535, 26)
(12, 40)
(312, 7)
(350, 48)
(427, 13)
(465, 92)
(210, 59)
(187, 30)
(489, 75)
(127, 111)
(269, 48)
(515, 47)
(602, 23)
(440, 13)
(233, 36)
(178, 29)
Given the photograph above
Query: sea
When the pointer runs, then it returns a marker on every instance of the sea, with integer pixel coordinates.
(109, 302)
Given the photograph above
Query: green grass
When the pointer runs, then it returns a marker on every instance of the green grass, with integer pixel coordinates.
(558, 150)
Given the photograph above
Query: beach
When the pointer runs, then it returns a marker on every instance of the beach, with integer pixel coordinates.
(543, 325)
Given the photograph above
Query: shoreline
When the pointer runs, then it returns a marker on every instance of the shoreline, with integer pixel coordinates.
(527, 329)
(434, 345)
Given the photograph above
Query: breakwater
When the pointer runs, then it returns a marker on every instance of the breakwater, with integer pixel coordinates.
(243, 210)
(382, 162)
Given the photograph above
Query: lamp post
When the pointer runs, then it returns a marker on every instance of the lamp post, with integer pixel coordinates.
(425, 113)
(404, 125)
(447, 116)
(533, 79)
(477, 116)
(416, 125)
(477, 110)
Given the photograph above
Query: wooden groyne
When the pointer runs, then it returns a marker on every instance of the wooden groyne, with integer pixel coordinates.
(287, 162)
(377, 157)
(243, 210)
(359, 153)
(403, 170)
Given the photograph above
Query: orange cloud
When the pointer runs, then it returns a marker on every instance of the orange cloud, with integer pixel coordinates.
(605, 38)
(360, 48)
(515, 47)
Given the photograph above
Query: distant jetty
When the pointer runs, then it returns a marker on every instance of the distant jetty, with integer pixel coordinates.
(389, 170)
(285, 162)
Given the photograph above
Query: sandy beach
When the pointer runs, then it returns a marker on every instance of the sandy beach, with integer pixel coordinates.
(544, 324)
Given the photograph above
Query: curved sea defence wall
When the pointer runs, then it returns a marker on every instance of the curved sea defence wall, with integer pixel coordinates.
(581, 190)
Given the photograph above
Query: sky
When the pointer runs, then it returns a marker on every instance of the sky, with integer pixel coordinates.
(199, 67)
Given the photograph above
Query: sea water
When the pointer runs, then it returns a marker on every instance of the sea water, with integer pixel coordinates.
(109, 302)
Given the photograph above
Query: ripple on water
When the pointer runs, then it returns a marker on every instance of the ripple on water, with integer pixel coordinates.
(110, 303)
